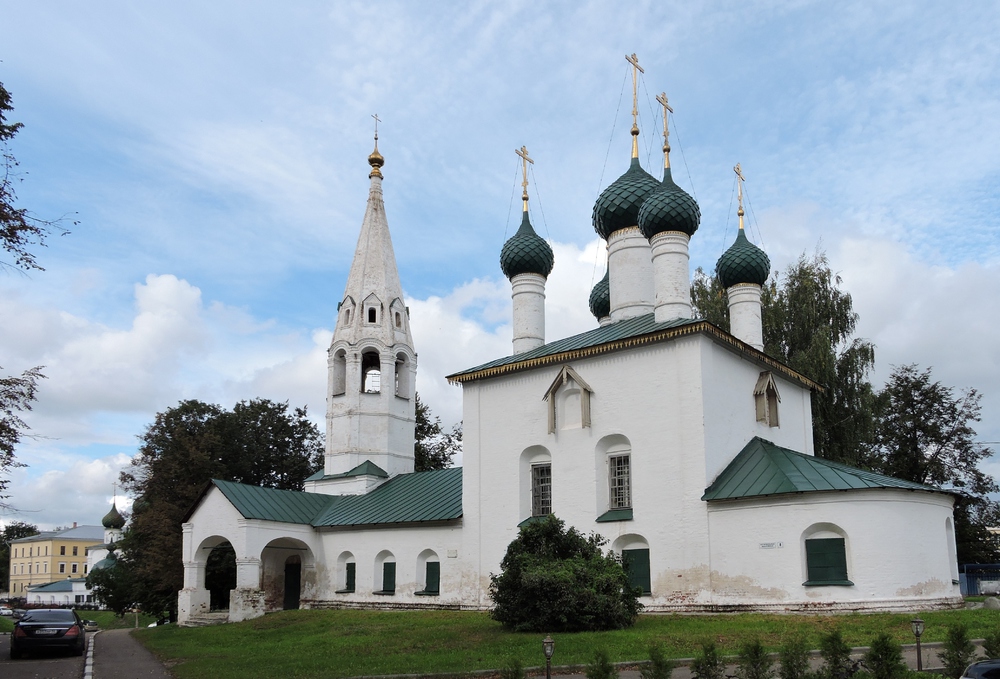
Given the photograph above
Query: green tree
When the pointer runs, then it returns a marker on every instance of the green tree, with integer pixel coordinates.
(259, 442)
(958, 651)
(114, 585)
(601, 666)
(925, 434)
(809, 324)
(836, 654)
(555, 579)
(754, 661)
(16, 396)
(793, 659)
(433, 448)
(708, 664)
(884, 659)
(12, 531)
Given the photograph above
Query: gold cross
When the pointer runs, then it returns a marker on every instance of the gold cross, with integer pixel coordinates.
(662, 99)
(377, 121)
(739, 186)
(523, 153)
(636, 70)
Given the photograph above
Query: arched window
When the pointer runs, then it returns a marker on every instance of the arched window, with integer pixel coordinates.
(536, 482)
(613, 458)
(634, 550)
(371, 374)
(825, 549)
(346, 573)
(429, 569)
(372, 315)
(338, 376)
(399, 320)
(402, 375)
(385, 573)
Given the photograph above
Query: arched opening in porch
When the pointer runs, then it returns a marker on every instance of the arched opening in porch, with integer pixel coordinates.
(288, 574)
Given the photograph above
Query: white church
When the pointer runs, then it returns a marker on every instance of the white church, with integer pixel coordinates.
(685, 446)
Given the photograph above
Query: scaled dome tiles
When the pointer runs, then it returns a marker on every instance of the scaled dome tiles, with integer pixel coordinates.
(526, 252)
(669, 209)
(743, 262)
(113, 519)
(618, 205)
(600, 297)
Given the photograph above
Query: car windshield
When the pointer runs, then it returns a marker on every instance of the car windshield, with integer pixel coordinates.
(48, 616)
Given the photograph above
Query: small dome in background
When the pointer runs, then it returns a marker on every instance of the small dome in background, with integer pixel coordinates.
(526, 252)
(113, 519)
(743, 262)
(618, 205)
(600, 298)
(669, 209)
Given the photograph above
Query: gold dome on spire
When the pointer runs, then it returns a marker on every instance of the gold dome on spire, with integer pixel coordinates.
(375, 159)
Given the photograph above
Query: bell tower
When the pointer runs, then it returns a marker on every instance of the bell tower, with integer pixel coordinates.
(370, 396)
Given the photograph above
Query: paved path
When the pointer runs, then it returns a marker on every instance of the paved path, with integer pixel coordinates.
(118, 656)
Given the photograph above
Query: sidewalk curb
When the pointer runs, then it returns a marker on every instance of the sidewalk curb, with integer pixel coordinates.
(88, 667)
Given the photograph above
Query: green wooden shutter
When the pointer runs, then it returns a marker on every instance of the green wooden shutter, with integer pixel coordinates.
(826, 562)
(389, 576)
(433, 584)
(637, 566)
(349, 585)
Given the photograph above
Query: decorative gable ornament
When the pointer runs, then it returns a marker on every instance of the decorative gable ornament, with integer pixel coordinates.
(766, 399)
(568, 376)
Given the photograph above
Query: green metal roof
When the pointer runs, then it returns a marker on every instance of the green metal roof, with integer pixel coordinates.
(57, 586)
(600, 297)
(632, 332)
(366, 468)
(763, 468)
(407, 498)
(271, 504)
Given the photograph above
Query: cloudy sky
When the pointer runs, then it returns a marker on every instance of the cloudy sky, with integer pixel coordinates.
(214, 155)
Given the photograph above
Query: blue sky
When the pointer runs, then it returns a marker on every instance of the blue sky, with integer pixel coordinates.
(214, 154)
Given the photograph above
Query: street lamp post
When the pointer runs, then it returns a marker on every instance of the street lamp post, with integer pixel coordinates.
(918, 628)
(549, 646)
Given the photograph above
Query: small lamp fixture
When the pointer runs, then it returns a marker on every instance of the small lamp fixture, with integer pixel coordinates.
(549, 646)
(918, 629)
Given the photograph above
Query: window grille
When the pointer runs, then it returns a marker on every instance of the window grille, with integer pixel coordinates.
(620, 479)
(541, 489)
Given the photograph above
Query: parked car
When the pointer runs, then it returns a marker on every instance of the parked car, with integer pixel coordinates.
(48, 628)
(984, 669)
(6, 612)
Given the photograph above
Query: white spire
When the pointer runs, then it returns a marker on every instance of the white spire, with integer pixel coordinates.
(370, 415)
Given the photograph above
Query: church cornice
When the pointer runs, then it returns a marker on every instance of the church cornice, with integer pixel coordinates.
(550, 354)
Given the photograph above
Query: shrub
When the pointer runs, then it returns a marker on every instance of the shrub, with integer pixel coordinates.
(958, 651)
(754, 662)
(659, 667)
(555, 579)
(708, 664)
(794, 658)
(884, 659)
(601, 667)
(991, 644)
(836, 654)
(513, 669)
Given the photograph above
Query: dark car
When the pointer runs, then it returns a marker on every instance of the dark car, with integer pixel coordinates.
(48, 628)
(984, 669)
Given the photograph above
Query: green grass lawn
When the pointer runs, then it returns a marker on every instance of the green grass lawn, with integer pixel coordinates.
(107, 620)
(6, 624)
(349, 642)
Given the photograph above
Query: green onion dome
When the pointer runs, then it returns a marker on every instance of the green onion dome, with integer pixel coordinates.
(743, 262)
(526, 252)
(618, 205)
(669, 209)
(113, 519)
(600, 298)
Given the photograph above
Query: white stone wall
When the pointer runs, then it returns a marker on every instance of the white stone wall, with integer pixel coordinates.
(898, 544)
